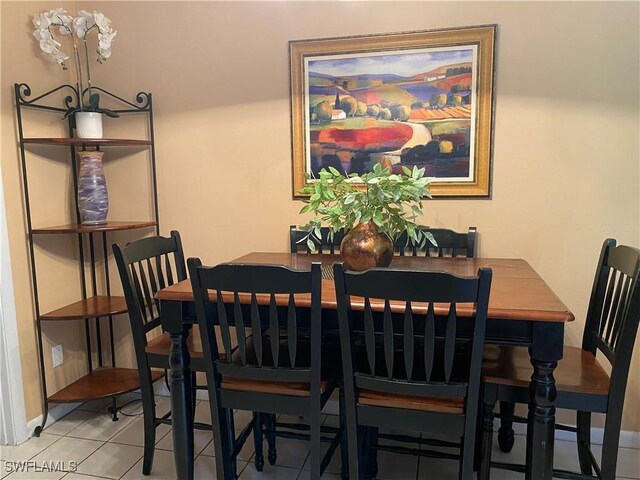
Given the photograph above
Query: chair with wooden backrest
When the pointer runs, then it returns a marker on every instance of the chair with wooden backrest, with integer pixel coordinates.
(274, 368)
(581, 383)
(298, 241)
(450, 244)
(419, 368)
(146, 266)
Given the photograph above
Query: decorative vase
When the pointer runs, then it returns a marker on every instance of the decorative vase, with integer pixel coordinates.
(88, 124)
(364, 247)
(93, 201)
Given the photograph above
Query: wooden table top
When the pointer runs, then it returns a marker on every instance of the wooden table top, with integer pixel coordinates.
(517, 291)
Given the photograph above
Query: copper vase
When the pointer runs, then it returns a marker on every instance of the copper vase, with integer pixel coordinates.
(364, 247)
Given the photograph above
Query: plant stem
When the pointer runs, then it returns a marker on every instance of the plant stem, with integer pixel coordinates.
(86, 57)
(78, 73)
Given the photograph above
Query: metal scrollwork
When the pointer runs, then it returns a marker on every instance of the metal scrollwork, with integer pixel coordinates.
(142, 98)
(23, 91)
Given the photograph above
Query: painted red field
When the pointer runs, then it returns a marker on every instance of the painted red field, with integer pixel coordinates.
(375, 139)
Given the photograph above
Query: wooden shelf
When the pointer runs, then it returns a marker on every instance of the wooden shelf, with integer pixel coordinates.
(87, 142)
(101, 383)
(107, 227)
(98, 306)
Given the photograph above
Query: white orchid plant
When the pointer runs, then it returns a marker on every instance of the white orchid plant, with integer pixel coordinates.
(48, 22)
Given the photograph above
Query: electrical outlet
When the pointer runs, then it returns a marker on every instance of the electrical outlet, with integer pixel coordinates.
(57, 356)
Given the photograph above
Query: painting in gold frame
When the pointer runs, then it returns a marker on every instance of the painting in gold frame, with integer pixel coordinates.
(404, 99)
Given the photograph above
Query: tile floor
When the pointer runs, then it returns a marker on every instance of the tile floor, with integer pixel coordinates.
(101, 448)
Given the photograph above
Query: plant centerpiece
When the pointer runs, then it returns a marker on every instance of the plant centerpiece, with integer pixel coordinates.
(374, 209)
(87, 116)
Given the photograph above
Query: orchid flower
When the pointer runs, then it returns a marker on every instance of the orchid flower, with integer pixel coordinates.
(78, 28)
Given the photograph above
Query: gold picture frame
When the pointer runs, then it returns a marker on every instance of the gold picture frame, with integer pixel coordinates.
(416, 98)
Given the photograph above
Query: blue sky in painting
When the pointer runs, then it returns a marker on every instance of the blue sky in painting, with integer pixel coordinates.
(404, 64)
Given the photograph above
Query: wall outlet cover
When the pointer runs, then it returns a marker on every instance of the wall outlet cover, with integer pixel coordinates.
(57, 356)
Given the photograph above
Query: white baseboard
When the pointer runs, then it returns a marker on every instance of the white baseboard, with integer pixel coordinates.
(55, 413)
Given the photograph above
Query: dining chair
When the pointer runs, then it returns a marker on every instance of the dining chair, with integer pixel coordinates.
(450, 244)
(145, 266)
(408, 361)
(324, 244)
(276, 368)
(582, 383)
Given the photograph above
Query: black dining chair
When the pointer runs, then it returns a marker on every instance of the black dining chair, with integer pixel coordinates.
(581, 382)
(409, 361)
(277, 366)
(324, 243)
(449, 244)
(146, 266)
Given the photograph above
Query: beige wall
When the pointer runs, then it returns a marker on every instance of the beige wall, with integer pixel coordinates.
(566, 158)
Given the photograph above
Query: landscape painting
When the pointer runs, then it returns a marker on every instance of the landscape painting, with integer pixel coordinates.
(360, 101)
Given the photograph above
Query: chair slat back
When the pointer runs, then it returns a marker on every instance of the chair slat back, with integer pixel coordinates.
(255, 307)
(614, 308)
(324, 244)
(146, 266)
(450, 244)
(425, 352)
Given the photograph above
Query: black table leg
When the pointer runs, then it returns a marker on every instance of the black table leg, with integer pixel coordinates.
(546, 350)
(181, 392)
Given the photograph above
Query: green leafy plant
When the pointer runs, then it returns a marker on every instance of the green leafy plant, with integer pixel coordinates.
(391, 201)
(93, 105)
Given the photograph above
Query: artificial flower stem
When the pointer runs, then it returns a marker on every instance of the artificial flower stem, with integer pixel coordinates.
(79, 73)
(86, 57)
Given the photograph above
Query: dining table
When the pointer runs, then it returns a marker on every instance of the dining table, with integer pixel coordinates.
(523, 311)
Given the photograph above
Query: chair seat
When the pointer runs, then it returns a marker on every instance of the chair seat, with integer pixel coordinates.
(330, 370)
(577, 372)
(161, 345)
(294, 389)
(392, 400)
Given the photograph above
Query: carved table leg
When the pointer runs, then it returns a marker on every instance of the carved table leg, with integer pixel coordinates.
(541, 421)
(181, 393)
(546, 350)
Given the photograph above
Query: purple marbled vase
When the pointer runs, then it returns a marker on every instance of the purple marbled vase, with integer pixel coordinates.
(93, 200)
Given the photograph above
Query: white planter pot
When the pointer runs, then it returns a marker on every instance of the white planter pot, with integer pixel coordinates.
(88, 124)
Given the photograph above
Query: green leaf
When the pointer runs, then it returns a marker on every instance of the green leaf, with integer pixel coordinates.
(107, 112)
(429, 235)
(94, 100)
(311, 244)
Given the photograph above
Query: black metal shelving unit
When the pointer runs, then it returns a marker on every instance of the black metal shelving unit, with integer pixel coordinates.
(101, 380)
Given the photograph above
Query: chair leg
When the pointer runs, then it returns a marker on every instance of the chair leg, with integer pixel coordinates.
(505, 432)
(371, 455)
(316, 450)
(344, 444)
(194, 391)
(610, 444)
(257, 440)
(359, 460)
(487, 439)
(465, 471)
(270, 422)
(583, 424)
(223, 441)
(148, 414)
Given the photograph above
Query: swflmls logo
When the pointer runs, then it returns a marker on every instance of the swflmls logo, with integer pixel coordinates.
(33, 466)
